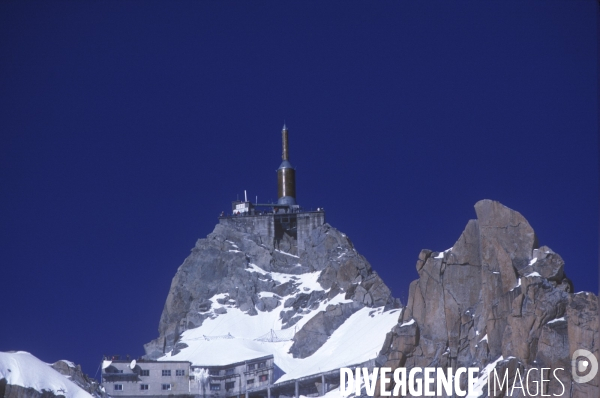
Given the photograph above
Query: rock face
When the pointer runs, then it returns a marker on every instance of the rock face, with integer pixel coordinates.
(496, 296)
(218, 265)
(14, 391)
(74, 373)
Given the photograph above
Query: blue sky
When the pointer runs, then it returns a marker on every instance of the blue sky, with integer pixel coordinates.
(127, 127)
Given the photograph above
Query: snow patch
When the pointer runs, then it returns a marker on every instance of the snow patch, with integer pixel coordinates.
(286, 253)
(364, 331)
(518, 284)
(533, 260)
(256, 268)
(69, 363)
(481, 381)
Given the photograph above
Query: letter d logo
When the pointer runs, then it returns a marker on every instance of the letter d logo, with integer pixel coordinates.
(582, 365)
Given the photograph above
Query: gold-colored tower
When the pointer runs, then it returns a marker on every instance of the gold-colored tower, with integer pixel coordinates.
(286, 175)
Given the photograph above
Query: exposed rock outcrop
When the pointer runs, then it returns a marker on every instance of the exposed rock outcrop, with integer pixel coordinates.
(15, 391)
(496, 295)
(74, 373)
(218, 267)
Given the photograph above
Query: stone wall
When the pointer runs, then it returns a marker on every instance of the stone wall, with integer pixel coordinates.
(256, 224)
(264, 225)
(307, 222)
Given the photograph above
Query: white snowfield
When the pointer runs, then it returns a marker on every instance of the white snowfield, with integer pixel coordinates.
(23, 369)
(230, 337)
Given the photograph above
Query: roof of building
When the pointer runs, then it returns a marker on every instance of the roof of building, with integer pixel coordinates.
(234, 363)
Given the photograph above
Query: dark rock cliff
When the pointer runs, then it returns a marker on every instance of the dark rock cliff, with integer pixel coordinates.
(14, 391)
(74, 373)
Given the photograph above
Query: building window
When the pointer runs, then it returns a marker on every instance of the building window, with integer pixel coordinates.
(230, 385)
(143, 386)
(252, 366)
(262, 365)
(118, 387)
(262, 378)
(166, 372)
(250, 382)
(192, 378)
(215, 387)
(179, 372)
(144, 372)
(213, 372)
(229, 371)
(166, 387)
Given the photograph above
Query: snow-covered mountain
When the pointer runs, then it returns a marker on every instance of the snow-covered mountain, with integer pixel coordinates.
(238, 297)
(495, 300)
(23, 375)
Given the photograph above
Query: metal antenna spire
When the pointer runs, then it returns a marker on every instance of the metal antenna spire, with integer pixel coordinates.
(284, 136)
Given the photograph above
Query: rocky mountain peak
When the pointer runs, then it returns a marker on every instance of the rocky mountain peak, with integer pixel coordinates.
(313, 290)
(495, 298)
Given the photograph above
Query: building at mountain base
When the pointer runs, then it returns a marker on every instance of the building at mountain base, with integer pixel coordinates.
(143, 378)
(124, 378)
(245, 379)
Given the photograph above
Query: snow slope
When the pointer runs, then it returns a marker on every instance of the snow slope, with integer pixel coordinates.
(231, 337)
(23, 369)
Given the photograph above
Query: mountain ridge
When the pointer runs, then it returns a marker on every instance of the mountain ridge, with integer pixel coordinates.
(495, 299)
